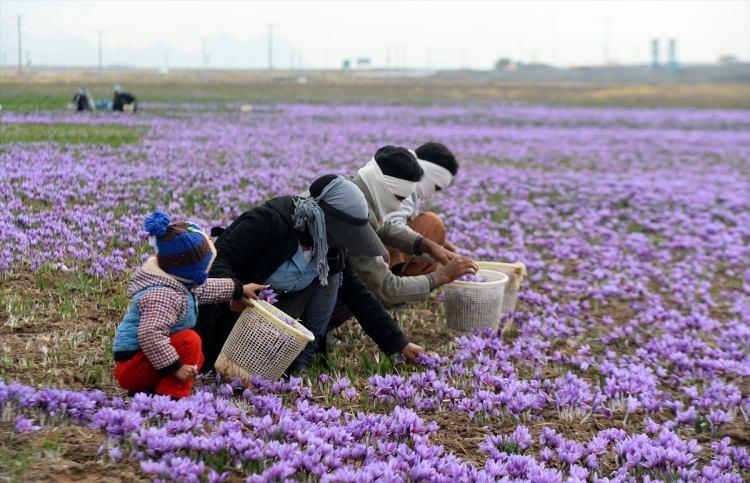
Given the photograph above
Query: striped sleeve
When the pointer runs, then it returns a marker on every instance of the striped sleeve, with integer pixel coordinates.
(160, 309)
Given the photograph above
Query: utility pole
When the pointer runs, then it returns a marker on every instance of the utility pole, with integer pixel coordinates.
(607, 35)
(19, 45)
(205, 54)
(270, 46)
(99, 34)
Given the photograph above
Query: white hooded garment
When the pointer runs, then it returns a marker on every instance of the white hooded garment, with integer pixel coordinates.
(384, 189)
(435, 176)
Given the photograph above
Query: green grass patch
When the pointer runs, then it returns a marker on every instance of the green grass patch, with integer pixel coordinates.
(24, 98)
(106, 134)
(238, 87)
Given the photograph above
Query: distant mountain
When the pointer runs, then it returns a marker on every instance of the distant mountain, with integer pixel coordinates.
(223, 51)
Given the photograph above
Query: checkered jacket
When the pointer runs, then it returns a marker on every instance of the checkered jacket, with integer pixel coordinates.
(163, 307)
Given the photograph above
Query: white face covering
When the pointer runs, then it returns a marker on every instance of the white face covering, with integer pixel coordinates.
(435, 176)
(384, 189)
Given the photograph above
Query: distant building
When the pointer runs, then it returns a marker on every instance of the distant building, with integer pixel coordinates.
(728, 60)
(506, 64)
(672, 52)
(655, 54)
(363, 62)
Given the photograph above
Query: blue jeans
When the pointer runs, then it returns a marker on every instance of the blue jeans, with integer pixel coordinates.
(315, 317)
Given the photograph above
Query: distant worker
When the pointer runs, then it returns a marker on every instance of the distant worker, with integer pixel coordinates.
(82, 100)
(123, 100)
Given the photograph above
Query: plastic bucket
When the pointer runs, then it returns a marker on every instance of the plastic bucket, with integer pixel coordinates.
(516, 272)
(475, 305)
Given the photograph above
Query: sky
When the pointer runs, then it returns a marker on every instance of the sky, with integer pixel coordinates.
(417, 34)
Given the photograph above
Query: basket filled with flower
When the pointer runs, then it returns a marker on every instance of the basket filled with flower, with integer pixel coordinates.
(475, 301)
(264, 342)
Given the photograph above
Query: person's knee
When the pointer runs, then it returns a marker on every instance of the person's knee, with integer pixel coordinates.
(188, 340)
(433, 219)
(430, 225)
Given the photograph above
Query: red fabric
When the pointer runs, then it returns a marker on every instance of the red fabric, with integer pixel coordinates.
(138, 374)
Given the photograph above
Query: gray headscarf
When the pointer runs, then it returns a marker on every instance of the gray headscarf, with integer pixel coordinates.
(308, 213)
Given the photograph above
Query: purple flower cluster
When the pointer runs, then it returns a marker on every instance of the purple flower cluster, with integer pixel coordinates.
(268, 295)
(275, 430)
(471, 277)
(634, 226)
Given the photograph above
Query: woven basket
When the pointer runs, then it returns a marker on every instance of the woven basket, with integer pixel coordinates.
(261, 344)
(475, 305)
(516, 272)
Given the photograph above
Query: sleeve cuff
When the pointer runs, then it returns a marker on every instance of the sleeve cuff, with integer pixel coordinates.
(238, 290)
(431, 279)
(417, 249)
(397, 345)
(171, 368)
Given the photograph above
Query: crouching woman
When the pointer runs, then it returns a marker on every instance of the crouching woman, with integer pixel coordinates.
(155, 348)
(299, 246)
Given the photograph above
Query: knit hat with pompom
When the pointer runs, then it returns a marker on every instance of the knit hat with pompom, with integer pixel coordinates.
(183, 249)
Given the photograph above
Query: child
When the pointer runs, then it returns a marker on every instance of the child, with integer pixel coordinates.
(155, 348)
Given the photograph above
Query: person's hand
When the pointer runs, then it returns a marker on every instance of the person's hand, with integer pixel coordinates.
(437, 252)
(450, 247)
(250, 290)
(456, 268)
(186, 372)
(411, 351)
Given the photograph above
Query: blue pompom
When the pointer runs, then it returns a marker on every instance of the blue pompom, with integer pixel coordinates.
(200, 278)
(156, 223)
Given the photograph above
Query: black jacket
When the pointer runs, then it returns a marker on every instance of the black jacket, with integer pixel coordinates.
(260, 240)
(122, 98)
(254, 246)
(82, 102)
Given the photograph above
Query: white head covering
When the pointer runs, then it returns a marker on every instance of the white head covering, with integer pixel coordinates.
(384, 189)
(435, 176)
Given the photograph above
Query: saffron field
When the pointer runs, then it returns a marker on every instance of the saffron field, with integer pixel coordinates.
(628, 358)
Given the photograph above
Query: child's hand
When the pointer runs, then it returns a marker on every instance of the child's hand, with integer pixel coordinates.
(186, 372)
(250, 290)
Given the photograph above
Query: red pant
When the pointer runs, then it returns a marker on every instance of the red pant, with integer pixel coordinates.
(430, 226)
(137, 374)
